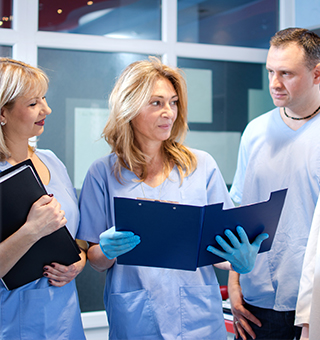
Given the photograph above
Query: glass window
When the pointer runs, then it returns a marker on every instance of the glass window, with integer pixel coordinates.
(223, 98)
(121, 19)
(5, 51)
(247, 23)
(5, 13)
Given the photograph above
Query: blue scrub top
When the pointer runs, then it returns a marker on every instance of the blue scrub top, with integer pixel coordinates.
(156, 303)
(38, 310)
(272, 157)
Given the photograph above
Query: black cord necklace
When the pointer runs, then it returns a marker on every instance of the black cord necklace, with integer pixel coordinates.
(300, 118)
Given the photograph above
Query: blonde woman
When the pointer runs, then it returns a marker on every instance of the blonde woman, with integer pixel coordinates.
(146, 128)
(47, 308)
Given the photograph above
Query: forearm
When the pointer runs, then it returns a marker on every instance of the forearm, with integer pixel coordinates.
(14, 247)
(305, 332)
(233, 282)
(97, 259)
(223, 265)
(80, 264)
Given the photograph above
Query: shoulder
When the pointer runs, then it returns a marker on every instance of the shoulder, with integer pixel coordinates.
(102, 167)
(261, 122)
(103, 163)
(204, 159)
(49, 157)
(201, 155)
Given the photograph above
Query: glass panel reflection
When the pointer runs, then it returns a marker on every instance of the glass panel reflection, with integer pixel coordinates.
(247, 23)
(80, 83)
(223, 97)
(6, 13)
(5, 51)
(132, 19)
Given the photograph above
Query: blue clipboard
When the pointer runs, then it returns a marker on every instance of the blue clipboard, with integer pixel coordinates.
(177, 235)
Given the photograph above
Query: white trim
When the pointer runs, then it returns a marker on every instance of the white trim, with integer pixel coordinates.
(169, 24)
(25, 23)
(220, 52)
(94, 320)
(287, 15)
(86, 42)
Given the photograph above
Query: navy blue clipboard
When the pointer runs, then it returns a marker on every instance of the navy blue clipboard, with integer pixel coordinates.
(176, 235)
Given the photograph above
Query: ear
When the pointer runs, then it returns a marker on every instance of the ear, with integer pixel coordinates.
(317, 74)
(3, 115)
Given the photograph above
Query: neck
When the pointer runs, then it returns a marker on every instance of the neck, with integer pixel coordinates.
(19, 152)
(305, 107)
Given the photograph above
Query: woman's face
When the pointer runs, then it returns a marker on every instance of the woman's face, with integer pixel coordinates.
(154, 123)
(26, 118)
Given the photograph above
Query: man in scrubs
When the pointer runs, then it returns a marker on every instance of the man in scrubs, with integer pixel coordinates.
(280, 149)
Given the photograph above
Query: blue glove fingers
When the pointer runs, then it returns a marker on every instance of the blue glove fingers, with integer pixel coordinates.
(218, 252)
(259, 239)
(224, 245)
(233, 238)
(242, 255)
(114, 250)
(242, 235)
(122, 234)
(115, 243)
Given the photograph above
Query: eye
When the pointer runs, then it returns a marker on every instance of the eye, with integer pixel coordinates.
(174, 103)
(33, 104)
(155, 103)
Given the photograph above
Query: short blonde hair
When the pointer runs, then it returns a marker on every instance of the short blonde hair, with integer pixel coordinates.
(305, 39)
(18, 79)
(131, 93)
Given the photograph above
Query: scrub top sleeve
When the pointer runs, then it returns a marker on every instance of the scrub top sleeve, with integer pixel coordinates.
(239, 177)
(93, 203)
(216, 187)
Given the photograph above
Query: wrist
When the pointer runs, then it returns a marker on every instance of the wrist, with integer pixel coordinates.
(104, 253)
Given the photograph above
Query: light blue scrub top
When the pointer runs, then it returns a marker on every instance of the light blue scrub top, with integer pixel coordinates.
(156, 303)
(271, 157)
(38, 310)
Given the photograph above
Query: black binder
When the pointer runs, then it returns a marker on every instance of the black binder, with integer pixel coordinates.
(20, 187)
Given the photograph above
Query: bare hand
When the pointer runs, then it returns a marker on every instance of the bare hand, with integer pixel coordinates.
(60, 275)
(45, 217)
(240, 314)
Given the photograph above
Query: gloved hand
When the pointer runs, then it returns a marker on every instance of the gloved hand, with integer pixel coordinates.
(114, 243)
(242, 255)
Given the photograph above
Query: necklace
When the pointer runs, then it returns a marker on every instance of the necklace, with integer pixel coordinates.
(300, 118)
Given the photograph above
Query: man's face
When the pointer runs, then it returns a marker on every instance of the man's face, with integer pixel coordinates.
(290, 81)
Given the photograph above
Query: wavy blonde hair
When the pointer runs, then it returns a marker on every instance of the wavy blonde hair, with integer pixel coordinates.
(131, 93)
(18, 79)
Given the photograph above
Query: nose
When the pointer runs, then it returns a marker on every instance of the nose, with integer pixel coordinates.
(275, 82)
(45, 107)
(168, 111)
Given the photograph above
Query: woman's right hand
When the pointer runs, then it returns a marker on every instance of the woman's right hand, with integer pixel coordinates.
(45, 217)
(115, 243)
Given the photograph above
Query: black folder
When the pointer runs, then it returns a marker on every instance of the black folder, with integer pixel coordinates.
(20, 187)
(177, 236)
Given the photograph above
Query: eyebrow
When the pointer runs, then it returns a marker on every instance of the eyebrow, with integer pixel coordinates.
(159, 96)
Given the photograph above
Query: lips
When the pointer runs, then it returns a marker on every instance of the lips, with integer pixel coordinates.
(40, 122)
(278, 95)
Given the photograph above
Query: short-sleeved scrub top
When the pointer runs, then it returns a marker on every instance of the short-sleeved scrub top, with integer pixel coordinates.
(155, 303)
(38, 310)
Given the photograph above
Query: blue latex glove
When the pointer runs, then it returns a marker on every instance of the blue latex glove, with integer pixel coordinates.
(242, 255)
(114, 243)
